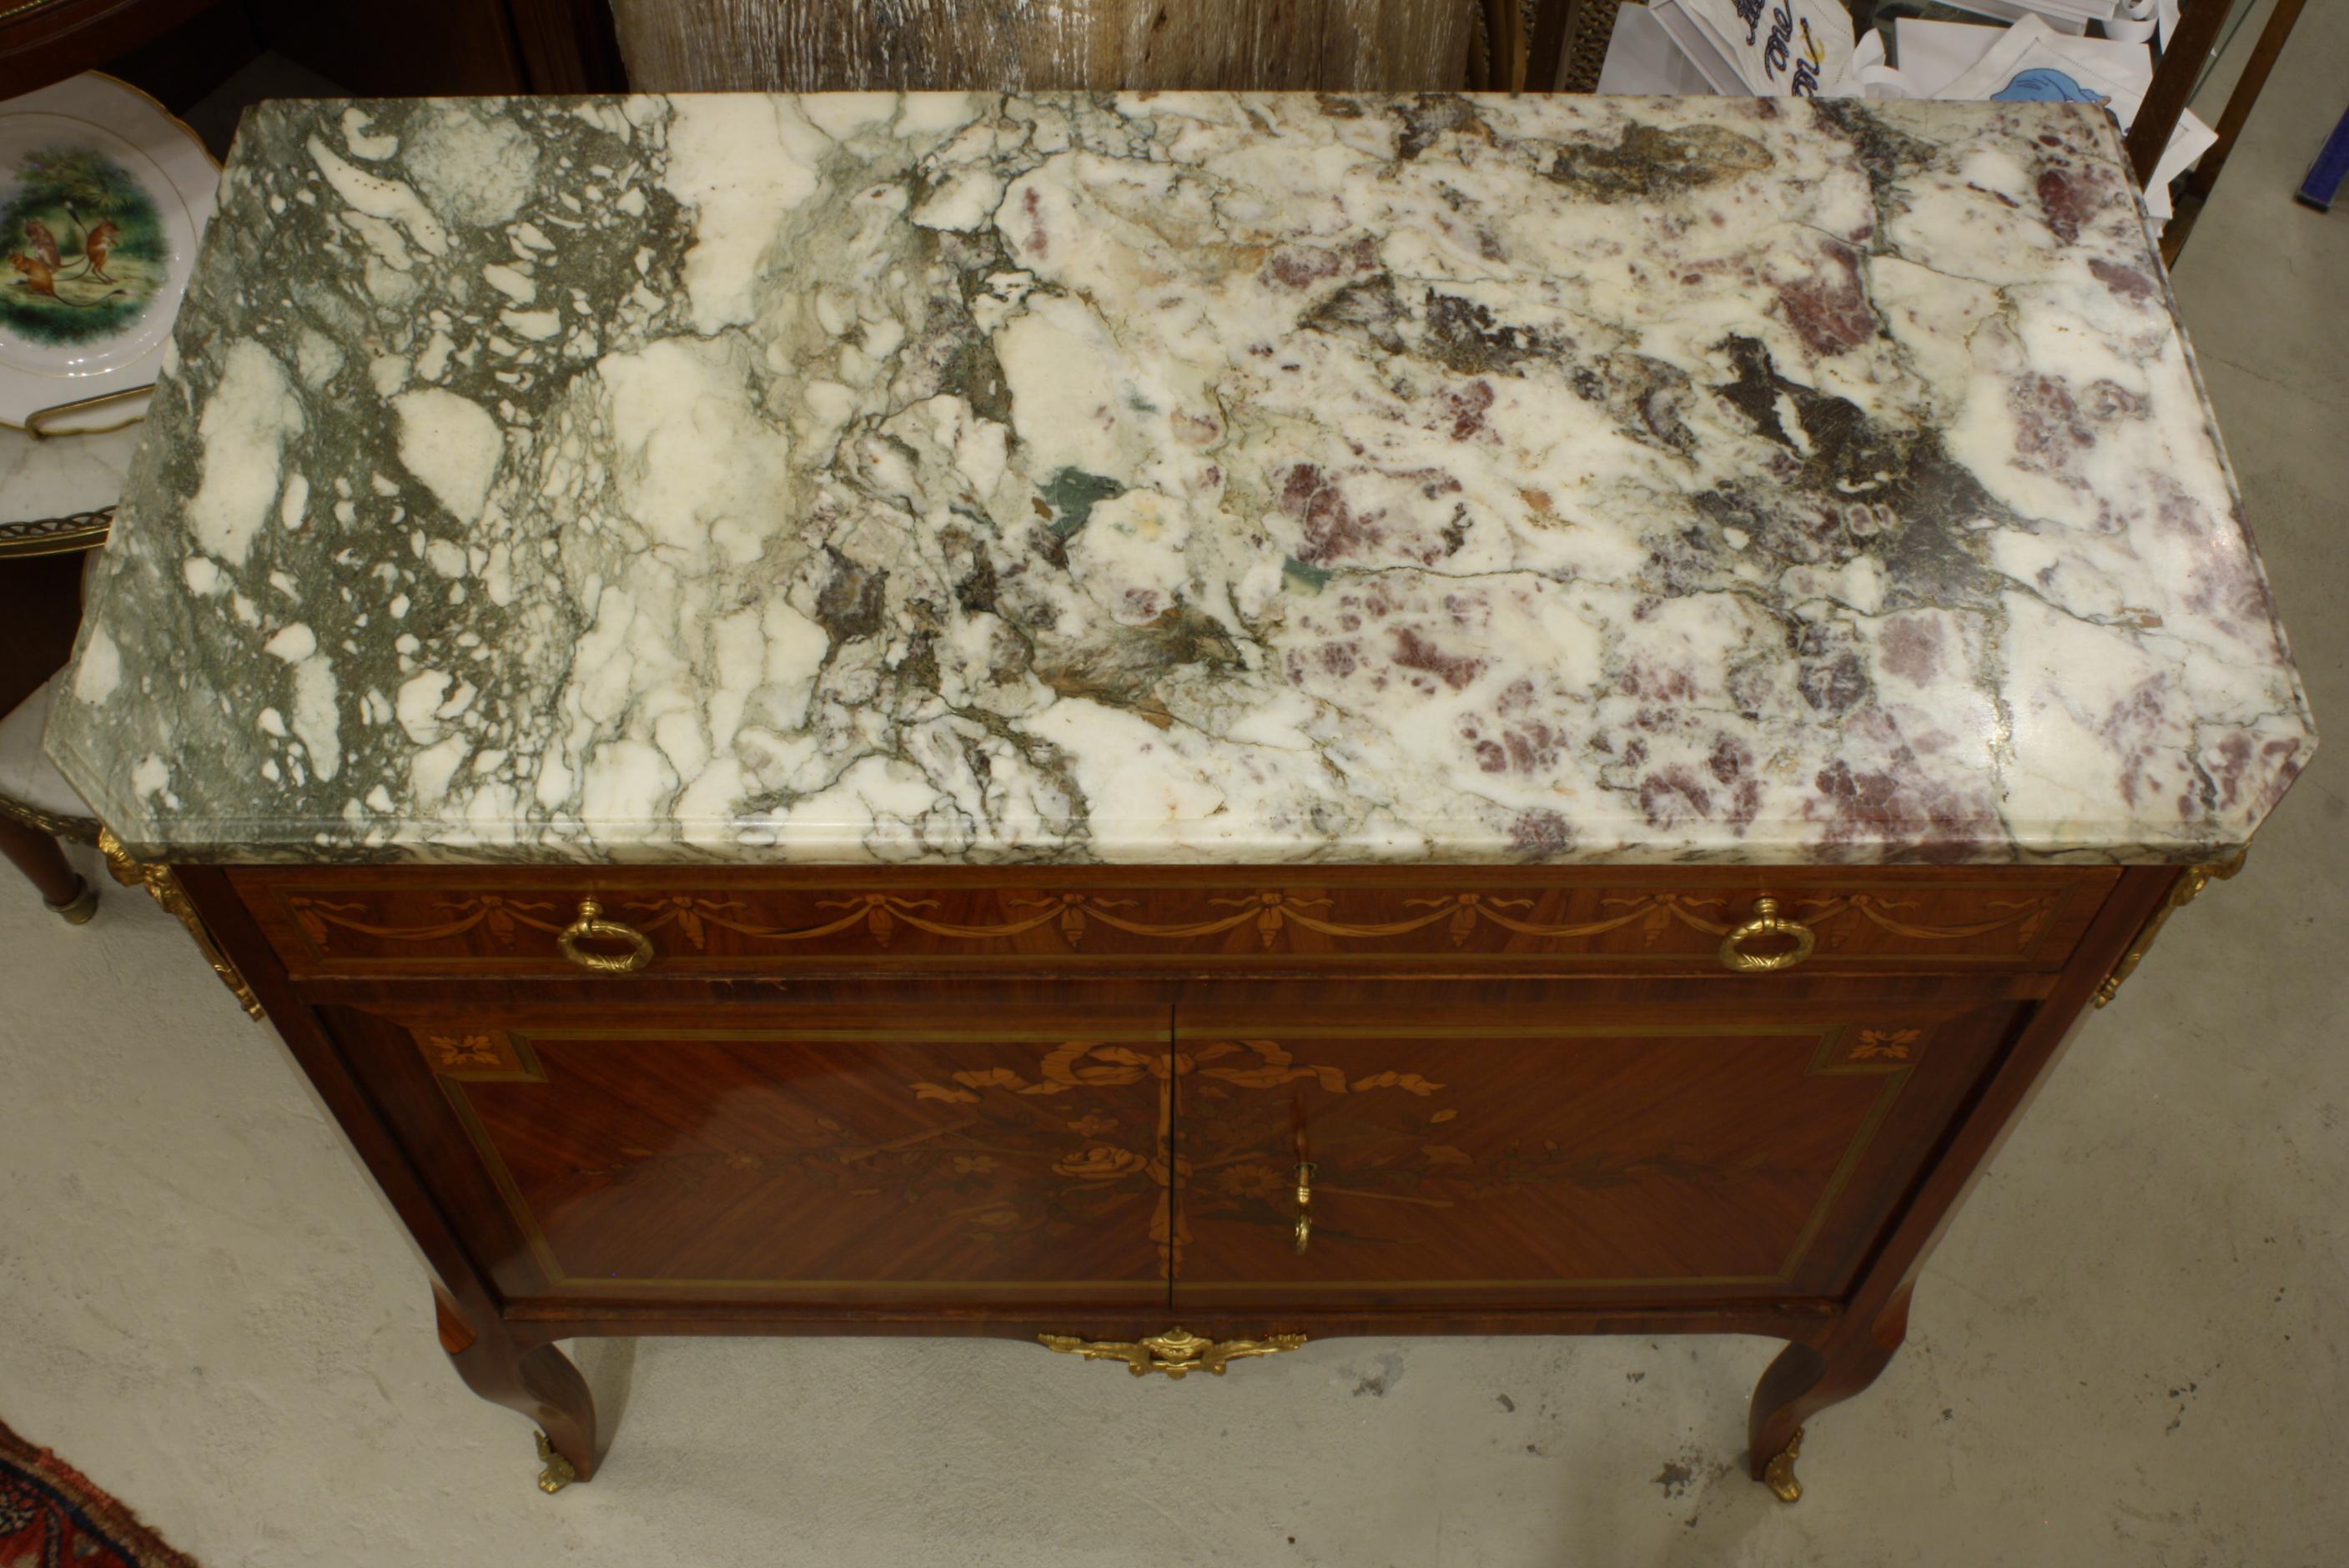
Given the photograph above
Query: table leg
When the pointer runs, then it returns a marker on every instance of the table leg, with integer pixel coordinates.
(1807, 1379)
(44, 863)
(536, 1380)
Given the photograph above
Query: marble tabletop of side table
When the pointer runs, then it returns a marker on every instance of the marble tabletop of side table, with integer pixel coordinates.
(51, 486)
(1181, 477)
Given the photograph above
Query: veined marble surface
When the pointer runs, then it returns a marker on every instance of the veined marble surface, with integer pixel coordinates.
(62, 475)
(1181, 477)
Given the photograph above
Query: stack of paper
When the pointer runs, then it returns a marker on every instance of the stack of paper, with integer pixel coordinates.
(2029, 60)
(1935, 54)
(1642, 60)
(1804, 48)
(1767, 49)
(2071, 16)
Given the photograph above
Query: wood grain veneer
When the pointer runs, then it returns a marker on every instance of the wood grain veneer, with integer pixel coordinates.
(1073, 1101)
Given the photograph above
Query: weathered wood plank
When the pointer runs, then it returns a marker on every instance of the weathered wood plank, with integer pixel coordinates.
(1018, 45)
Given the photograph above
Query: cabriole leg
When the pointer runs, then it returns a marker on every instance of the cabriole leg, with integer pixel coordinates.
(538, 1381)
(1806, 1380)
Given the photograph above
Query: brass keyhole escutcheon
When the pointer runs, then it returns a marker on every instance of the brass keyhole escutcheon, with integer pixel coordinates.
(1304, 1206)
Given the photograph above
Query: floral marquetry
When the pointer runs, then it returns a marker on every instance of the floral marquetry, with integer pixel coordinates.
(464, 1051)
(738, 922)
(468, 1053)
(1873, 1048)
(1460, 1156)
(630, 1155)
(1891, 1044)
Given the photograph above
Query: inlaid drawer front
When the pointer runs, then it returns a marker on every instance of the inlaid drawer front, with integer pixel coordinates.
(652, 1153)
(1226, 1153)
(372, 921)
(1348, 1160)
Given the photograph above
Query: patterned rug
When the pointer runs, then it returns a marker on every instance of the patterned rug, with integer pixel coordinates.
(51, 1517)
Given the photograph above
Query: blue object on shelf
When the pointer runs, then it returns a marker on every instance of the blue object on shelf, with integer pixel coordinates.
(2331, 167)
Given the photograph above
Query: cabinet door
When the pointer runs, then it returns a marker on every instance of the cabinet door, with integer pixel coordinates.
(1669, 1153)
(897, 1154)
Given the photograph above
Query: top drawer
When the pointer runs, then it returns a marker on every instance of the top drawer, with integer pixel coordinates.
(349, 922)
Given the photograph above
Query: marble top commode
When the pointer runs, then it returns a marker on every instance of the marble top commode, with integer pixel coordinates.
(1180, 479)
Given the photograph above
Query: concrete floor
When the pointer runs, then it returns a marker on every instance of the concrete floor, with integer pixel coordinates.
(2128, 1350)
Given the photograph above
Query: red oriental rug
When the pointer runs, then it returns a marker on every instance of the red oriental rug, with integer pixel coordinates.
(51, 1517)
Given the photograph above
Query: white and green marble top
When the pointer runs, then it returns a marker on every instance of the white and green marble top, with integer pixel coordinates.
(1180, 479)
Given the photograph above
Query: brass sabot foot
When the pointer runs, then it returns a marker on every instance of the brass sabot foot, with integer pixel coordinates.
(557, 1471)
(1779, 1475)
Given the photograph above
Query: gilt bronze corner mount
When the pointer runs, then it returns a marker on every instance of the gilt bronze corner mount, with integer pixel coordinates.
(165, 889)
(2184, 890)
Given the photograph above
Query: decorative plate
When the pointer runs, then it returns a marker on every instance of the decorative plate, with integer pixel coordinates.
(102, 198)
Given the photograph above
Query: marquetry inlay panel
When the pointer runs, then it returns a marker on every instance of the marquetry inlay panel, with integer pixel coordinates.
(1661, 921)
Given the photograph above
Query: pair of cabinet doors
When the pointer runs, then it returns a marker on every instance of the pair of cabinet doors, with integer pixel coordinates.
(1459, 1153)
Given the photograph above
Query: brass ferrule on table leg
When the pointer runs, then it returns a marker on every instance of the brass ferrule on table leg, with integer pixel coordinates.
(165, 889)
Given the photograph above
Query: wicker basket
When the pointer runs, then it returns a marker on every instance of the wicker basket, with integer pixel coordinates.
(1589, 29)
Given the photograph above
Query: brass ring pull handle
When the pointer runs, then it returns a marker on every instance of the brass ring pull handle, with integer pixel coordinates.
(1766, 922)
(591, 927)
(1304, 1206)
